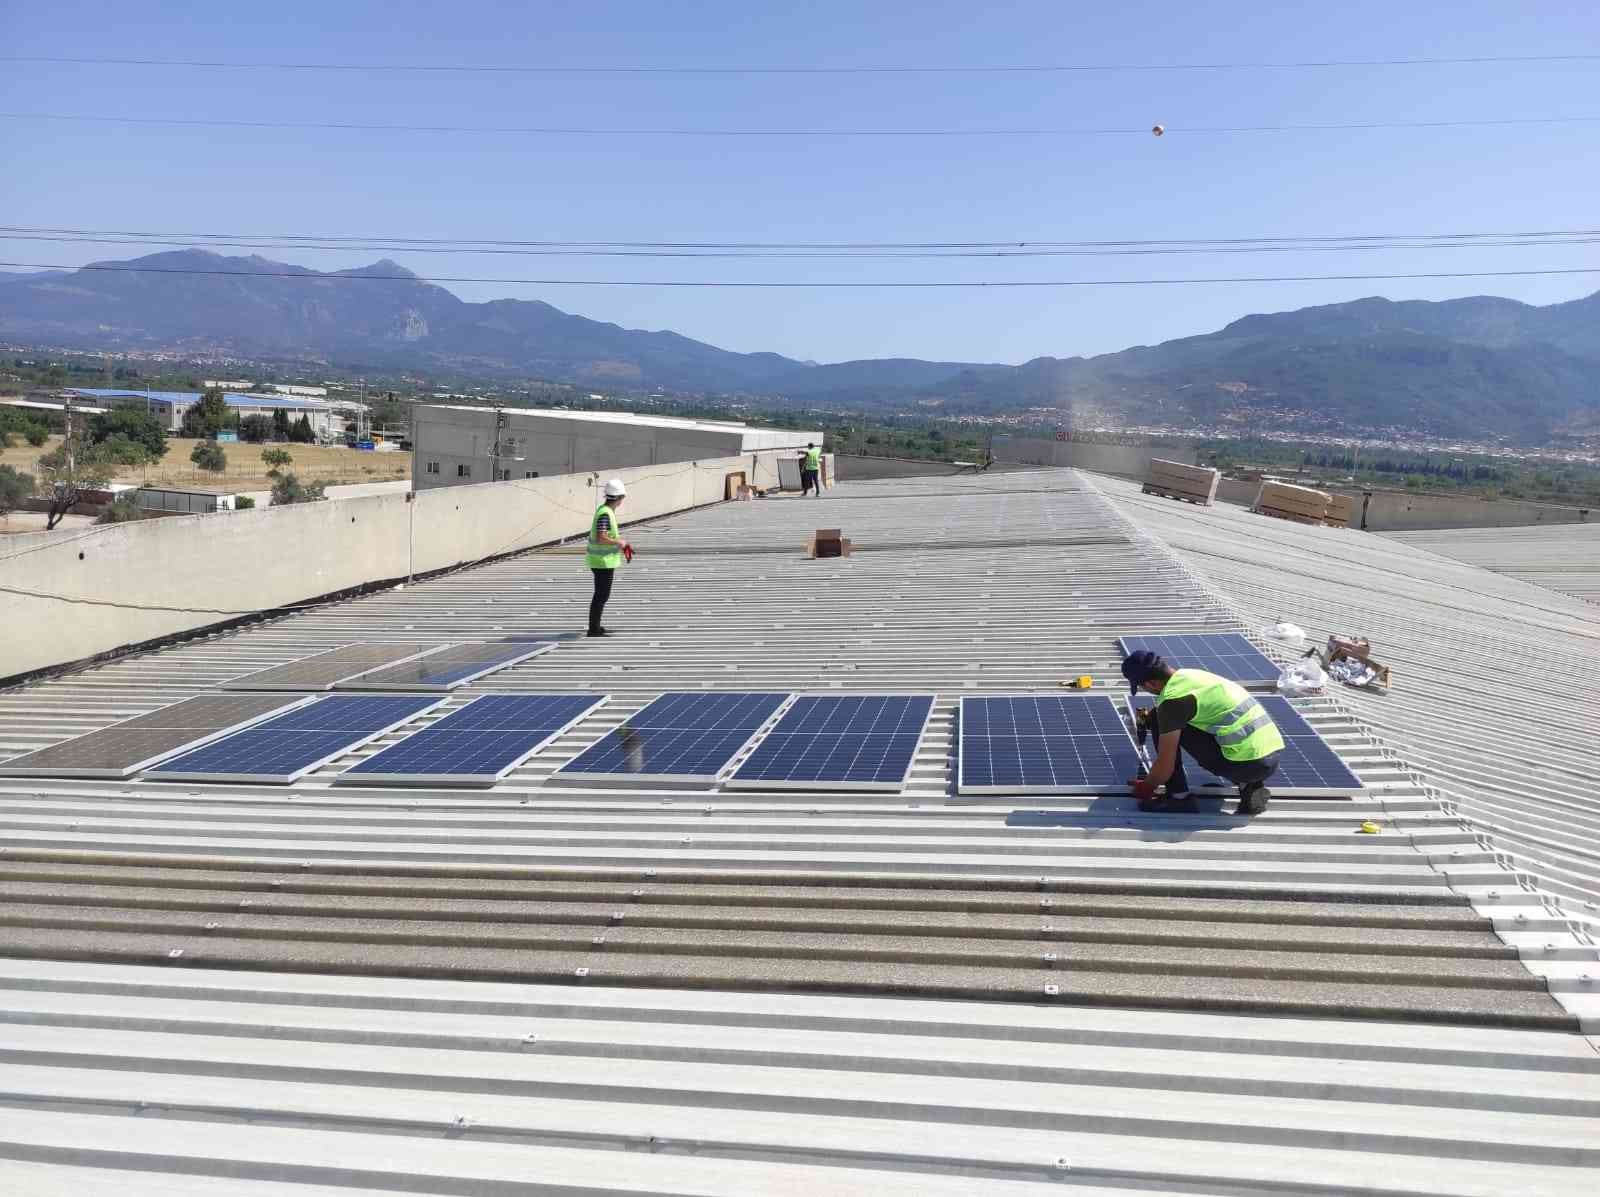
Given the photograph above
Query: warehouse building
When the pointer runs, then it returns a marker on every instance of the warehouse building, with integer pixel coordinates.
(458, 445)
(169, 406)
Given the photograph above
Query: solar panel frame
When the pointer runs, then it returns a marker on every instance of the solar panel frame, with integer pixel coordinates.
(1095, 717)
(370, 771)
(325, 680)
(147, 728)
(804, 708)
(445, 679)
(337, 741)
(665, 728)
(1227, 654)
(1295, 767)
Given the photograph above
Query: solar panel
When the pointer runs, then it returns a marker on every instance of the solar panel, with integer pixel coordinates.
(290, 745)
(1308, 767)
(1045, 744)
(679, 738)
(477, 744)
(1226, 654)
(324, 670)
(124, 748)
(449, 667)
(854, 742)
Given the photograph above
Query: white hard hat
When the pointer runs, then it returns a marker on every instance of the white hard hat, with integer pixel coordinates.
(615, 489)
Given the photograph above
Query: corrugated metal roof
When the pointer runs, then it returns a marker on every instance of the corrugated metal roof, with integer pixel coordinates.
(1560, 557)
(231, 398)
(344, 992)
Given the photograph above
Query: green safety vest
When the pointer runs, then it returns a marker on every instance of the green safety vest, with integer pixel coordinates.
(813, 459)
(600, 554)
(1226, 710)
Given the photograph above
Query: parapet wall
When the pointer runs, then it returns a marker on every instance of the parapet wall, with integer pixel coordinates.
(73, 596)
(1404, 511)
(1123, 461)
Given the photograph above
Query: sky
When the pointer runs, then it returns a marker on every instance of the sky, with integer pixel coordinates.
(815, 188)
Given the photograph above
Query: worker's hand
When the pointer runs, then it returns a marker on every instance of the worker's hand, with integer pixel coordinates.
(1144, 788)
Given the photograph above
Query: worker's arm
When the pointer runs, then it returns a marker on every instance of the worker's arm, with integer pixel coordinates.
(610, 536)
(1166, 758)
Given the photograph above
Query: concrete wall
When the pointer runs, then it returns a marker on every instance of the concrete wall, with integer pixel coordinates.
(1402, 511)
(853, 468)
(1125, 461)
(70, 596)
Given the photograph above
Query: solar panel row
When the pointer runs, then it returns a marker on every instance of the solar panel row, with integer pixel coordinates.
(683, 738)
(1047, 744)
(1226, 654)
(857, 742)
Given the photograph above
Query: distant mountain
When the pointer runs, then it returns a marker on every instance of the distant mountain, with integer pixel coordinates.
(1463, 367)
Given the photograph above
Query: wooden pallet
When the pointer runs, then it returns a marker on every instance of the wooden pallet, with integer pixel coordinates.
(1295, 516)
(1150, 488)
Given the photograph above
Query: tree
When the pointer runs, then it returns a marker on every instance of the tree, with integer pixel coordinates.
(255, 429)
(300, 432)
(15, 486)
(36, 434)
(280, 425)
(123, 510)
(130, 424)
(119, 450)
(208, 416)
(243, 502)
(275, 460)
(208, 455)
(288, 490)
(66, 472)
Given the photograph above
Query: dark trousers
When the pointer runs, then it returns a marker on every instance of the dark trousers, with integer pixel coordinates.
(808, 479)
(602, 591)
(1207, 753)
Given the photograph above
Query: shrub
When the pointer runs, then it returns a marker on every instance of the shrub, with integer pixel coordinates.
(122, 510)
(15, 486)
(243, 503)
(208, 455)
(36, 434)
(288, 489)
(275, 460)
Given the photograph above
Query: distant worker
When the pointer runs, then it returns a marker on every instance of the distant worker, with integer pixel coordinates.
(607, 550)
(811, 470)
(1216, 721)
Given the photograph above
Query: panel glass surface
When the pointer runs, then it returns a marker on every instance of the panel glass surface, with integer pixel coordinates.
(449, 667)
(1226, 654)
(124, 748)
(844, 742)
(478, 744)
(291, 745)
(678, 737)
(1047, 744)
(324, 670)
(1307, 768)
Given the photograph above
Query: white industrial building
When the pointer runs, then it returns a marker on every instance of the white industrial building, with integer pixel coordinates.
(170, 406)
(457, 445)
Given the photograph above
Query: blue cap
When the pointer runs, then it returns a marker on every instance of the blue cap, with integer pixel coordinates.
(1138, 666)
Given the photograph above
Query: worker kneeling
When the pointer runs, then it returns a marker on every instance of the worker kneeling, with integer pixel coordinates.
(1215, 721)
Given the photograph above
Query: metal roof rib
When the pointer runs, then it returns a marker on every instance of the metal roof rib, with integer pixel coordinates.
(540, 986)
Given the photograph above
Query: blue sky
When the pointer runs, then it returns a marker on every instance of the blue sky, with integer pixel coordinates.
(829, 189)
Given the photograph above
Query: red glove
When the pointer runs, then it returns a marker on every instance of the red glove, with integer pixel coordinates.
(627, 553)
(1144, 789)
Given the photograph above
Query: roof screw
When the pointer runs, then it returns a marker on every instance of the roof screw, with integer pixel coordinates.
(1049, 957)
(212, 926)
(598, 940)
(638, 893)
(243, 902)
(1585, 979)
(618, 915)
(649, 872)
(1052, 991)
(174, 953)
(1046, 902)
(1063, 1164)
(530, 1039)
(461, 1124)
(1521, 918)
(580, 972)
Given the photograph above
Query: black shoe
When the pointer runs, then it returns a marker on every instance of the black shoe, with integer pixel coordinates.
(598, 632)
(1253, 799)
(1172, 804)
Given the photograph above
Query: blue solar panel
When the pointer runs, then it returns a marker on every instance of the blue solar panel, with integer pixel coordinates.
(1226, 654)
(1307, 767)
(295, 743)
(846, 742)
(680, 737)
(476, 745)
(1050, 744)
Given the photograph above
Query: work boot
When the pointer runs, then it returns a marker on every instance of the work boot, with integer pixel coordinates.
(1253, 799)
(1181, 803)
(598, 632)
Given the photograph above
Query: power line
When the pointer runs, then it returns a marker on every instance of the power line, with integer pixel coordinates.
(1040, 69)
(341, 276)
(353, 241)
(579, 131)
(811, 255)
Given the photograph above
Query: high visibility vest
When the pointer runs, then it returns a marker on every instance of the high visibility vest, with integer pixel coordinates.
(602, 555)
(1243, 729)
(813, 459)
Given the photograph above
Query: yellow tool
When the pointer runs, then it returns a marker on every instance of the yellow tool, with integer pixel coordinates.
(1370, 828)
(1079, 683)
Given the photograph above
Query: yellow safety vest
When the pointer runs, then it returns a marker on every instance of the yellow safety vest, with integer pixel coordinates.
(602, 555)
(1226, 710)
(813, 459)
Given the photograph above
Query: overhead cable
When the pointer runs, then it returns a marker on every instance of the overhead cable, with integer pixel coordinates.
(584, 131)
(999, 69)
(345, 276)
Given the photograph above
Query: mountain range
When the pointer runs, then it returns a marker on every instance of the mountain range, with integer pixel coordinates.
(1463, 367)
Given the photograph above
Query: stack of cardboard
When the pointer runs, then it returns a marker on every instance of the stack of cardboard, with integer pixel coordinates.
(1197, 484)
(1341, 510)
(1298, 503)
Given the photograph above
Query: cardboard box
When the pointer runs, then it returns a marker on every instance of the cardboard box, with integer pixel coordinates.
(827, 542)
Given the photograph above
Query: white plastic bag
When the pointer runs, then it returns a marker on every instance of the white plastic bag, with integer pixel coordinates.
(1304, 677)
(1288, 634)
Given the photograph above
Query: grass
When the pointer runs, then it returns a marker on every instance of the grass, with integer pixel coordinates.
(318, 463)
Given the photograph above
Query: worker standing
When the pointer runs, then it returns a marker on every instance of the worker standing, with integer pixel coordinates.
(1215, 721)
(811, 469)
(606, 552)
